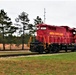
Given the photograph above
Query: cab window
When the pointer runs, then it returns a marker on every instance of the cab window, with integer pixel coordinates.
(43, 28)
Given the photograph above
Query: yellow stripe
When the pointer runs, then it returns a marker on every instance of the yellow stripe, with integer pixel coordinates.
(53, 33)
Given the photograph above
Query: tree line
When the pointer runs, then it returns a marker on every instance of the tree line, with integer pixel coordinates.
(22, 25)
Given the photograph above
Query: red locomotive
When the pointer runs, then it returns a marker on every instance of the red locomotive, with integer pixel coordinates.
(52, 39)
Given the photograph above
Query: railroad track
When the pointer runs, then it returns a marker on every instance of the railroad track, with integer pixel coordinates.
(23, 53)
(15, 53)
(12, 55)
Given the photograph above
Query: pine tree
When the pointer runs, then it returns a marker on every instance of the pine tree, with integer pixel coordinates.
(5, 23)
(24, 20)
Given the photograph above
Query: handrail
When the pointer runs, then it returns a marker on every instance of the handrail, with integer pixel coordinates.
(29, 41)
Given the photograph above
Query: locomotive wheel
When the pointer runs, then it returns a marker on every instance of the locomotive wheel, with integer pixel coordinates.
(40, 49)
(50, 50)
(46, 51)
(72, 50)
(55, 49)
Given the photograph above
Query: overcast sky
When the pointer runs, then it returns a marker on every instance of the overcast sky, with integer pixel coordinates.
(61, 12)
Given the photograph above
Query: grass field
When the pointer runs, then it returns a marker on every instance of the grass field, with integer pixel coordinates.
(60, 64)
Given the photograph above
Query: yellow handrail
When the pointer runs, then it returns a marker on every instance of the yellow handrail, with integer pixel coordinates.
(44, 43)
(29, 41)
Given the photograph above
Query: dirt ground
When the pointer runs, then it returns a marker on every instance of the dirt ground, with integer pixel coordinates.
(13, 46)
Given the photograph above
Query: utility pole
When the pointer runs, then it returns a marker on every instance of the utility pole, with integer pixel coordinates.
(44, 15)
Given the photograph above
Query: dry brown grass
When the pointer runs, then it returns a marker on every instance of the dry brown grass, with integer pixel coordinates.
(13, 46)
(42, 65)
(35, 67)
